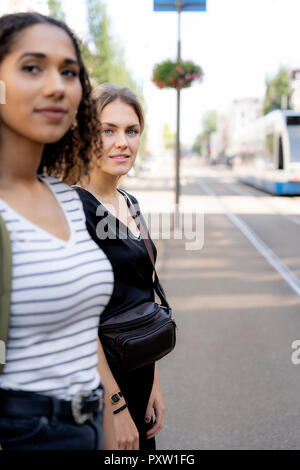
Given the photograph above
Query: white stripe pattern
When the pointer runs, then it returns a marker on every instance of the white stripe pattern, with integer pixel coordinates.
(59, 289)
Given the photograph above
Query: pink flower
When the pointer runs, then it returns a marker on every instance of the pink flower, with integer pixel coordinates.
(188, 76)
(179, 69)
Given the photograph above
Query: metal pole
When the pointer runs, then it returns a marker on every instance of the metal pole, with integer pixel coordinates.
(177, 159)
(177, 167)
(179, 9)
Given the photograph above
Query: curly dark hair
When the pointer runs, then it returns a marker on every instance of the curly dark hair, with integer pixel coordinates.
(70, 157)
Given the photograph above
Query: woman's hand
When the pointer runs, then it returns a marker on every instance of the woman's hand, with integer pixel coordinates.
(156, 403)
(126, 433)
(120, 432)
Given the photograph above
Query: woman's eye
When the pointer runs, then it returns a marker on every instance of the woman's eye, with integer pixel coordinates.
(107, 131)
(31, 69)
(70, 73)
(132, 132)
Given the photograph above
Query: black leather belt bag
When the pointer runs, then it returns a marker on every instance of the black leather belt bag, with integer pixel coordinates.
(139, 336)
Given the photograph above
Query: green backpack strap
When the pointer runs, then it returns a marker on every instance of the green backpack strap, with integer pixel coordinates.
(5, 287)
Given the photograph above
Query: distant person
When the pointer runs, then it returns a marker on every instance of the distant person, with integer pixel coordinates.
(51, 397)
(122, 123)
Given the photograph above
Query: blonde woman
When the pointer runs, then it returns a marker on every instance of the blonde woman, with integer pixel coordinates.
(122, 123)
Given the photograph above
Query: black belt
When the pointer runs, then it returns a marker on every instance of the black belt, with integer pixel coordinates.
(18, 404)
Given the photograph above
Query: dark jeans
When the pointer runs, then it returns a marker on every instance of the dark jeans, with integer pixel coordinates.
(50, 433)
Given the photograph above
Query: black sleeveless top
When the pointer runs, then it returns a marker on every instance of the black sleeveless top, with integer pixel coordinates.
(133, 270)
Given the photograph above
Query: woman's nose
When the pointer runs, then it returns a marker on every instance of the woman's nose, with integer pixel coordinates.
(54, 85)
(121, 140)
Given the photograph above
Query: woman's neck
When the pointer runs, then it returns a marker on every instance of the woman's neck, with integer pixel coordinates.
(19, 159)
(101, 184)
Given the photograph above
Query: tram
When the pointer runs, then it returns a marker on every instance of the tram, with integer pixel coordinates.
(267, 153)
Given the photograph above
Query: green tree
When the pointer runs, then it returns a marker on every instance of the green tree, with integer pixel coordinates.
(277, 87)
(209, 125)
(56, 10)
(169, 139)
(197, 146)
(101, 53)
(209, 122)
(104, 58)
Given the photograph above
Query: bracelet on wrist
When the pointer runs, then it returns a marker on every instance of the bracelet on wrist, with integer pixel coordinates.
(120, 409)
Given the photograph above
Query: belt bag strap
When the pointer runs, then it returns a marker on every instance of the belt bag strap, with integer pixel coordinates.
(5, 282)
(141, 224)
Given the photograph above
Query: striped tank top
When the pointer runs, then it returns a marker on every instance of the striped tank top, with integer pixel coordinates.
(59, 289)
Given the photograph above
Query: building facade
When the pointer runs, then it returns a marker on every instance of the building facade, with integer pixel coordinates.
(226, 140)
(295, 85)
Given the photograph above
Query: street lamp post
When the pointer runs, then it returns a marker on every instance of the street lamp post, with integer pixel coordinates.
(179, 6)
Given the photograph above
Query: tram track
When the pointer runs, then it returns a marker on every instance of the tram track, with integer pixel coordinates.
(269, 201)
(215, 188)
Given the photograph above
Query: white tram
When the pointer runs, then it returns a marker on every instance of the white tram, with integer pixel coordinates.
(268, 153)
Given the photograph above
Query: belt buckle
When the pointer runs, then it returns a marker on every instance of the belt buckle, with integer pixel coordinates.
(79, 417)
(76, 404)
(100, 394)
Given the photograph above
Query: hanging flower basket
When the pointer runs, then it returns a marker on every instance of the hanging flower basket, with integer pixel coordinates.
(177, 74)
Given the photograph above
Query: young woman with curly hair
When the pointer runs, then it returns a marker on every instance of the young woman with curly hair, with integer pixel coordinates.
(50, 391)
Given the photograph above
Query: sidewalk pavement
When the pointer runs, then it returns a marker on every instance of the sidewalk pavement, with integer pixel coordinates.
(177, 269)
(229, 383)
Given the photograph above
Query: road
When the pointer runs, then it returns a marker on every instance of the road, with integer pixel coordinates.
(230, 383)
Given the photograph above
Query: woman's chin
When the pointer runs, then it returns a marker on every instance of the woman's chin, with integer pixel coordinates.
(123, 173)
(120, 171)
(52, 136)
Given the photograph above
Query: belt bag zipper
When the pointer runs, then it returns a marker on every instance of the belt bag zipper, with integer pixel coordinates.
(122, 340)
(134, 322)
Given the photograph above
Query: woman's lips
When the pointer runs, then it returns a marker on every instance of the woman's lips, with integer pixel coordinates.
(120, 158)
(52, 114)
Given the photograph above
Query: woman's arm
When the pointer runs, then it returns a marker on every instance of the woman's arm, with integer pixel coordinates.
(120, 432)
(156, 403)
